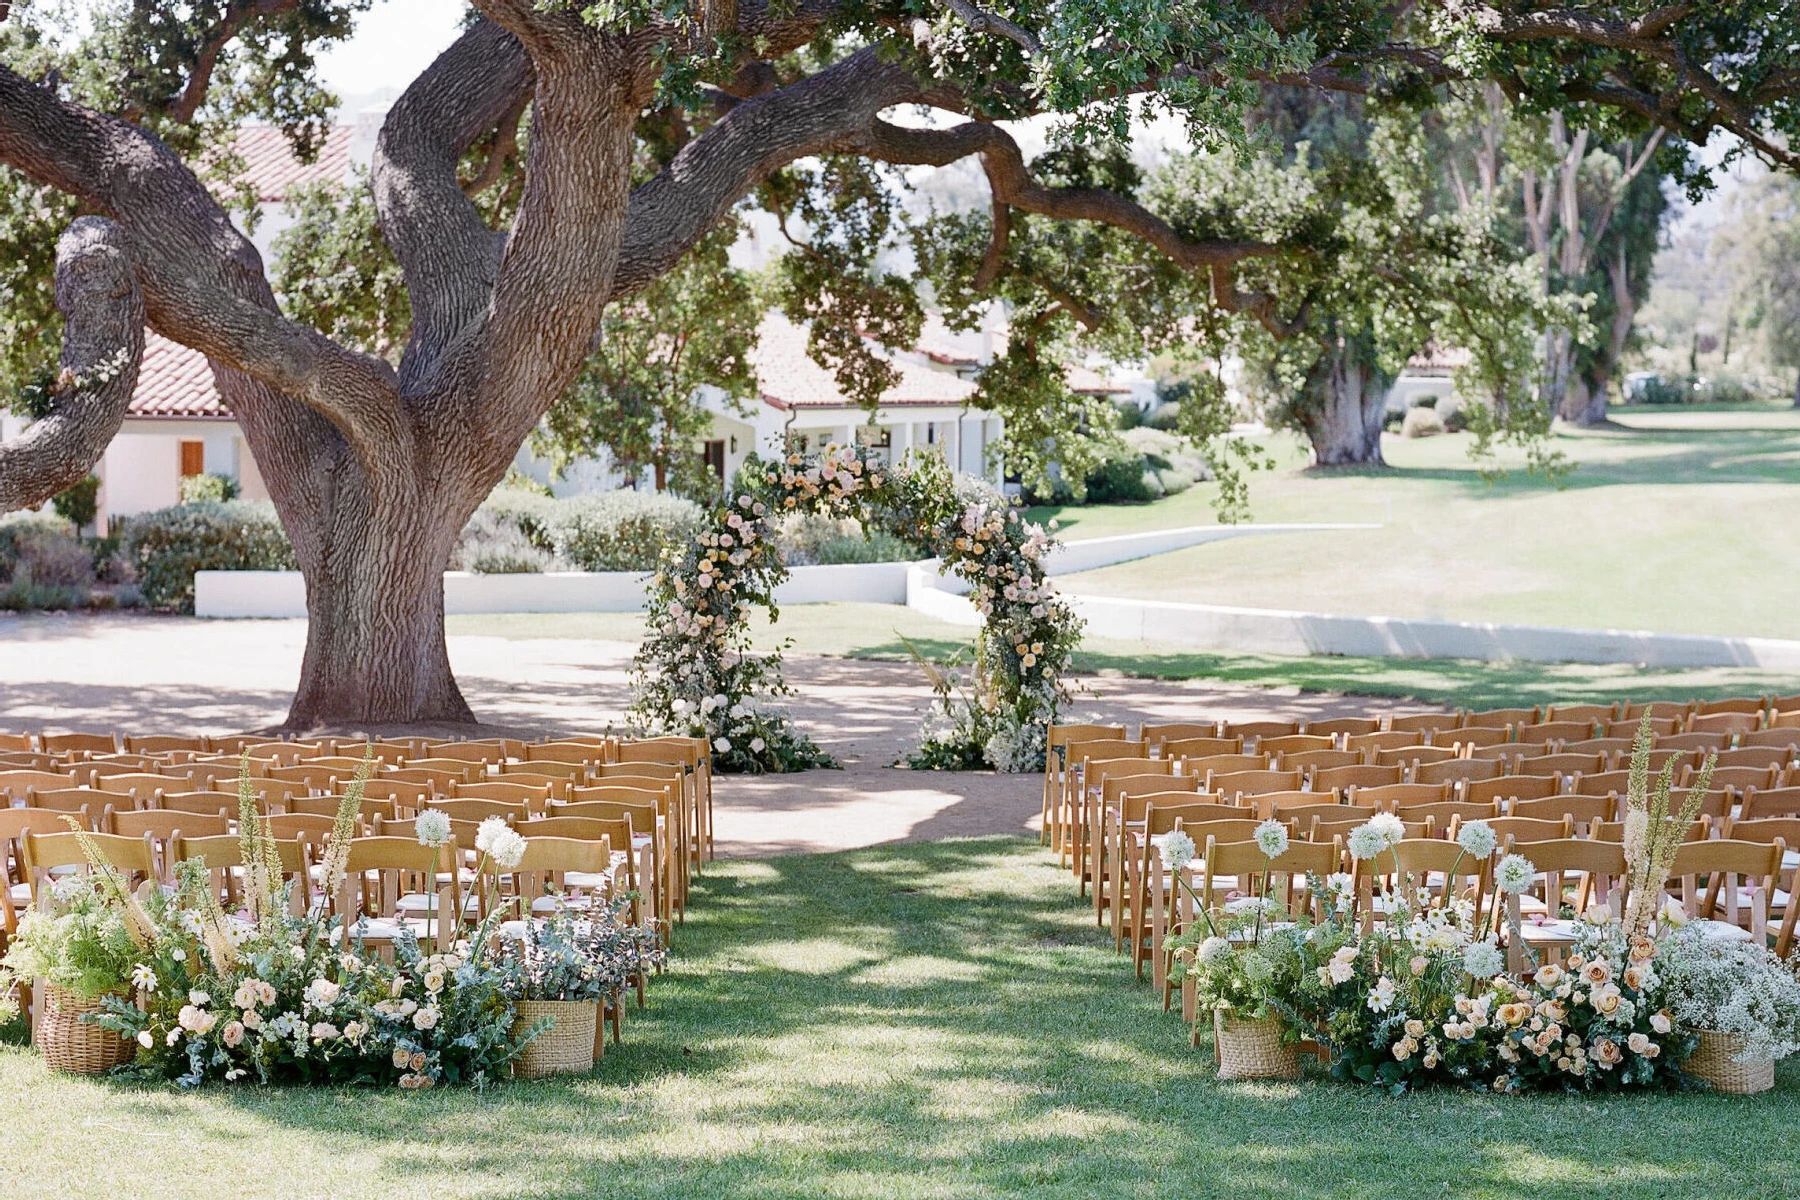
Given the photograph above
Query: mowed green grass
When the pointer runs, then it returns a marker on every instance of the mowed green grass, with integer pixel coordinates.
(930, 1020)
(881, 632)
(1673, 521)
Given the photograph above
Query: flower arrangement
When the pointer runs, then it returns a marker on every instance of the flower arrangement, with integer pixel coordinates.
(1651, 835)
(697, 675)
(1735, 988)
(590, 955)
(84, 946)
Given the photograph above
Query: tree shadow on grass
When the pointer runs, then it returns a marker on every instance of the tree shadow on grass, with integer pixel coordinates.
(944, 1019)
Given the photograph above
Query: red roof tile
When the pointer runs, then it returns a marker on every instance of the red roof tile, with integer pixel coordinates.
(790, 379)
(272, 168)
(175, 381)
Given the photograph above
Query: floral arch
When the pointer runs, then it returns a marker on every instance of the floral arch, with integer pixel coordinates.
(697, 675)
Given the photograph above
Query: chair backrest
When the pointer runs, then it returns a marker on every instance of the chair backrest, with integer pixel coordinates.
(452, 769)
(77, 743)
(1250, 783)
(1100, 749)
(1326, 826)
(162, 824)
(1740, 778)
(535, 795)
(1534, 786)
(1282, 804)
(1060, 736)
(436, 780)
(379, 870)
(196, 802)
(1113, 788)
(1408, 755)
(1556, 731)
(1756, 756)
(157, 743)
(548, 861)
(1325, 778)
(1198, 747)
(1450, 812)
(1661, 726)
(70, 800)
(1601, 865)
(1678, 709)
(1421, 857)
(1614, 831)
(1592, 714)
(1422, 722)
(1249, 730)
(221, 852)
(44, 852)
(1611, 747)
(642, 816)
(619, 832)
(481, 752)
(1301, 816)
(23, 742)
(1785, 736)
(1501, 716)
(1155, 735)
(1770, 802)
(327, 806)
(1725, 722)
(1476, 736)
(1583, 810)
(1295, 743)
(310, 828)
(682, 751)
(1694, 740)
(139, 785)
(1320, 760)
(1137, 809)
(480, 810)
(1223, 762)
(14, 784)
(622, 793)
(1245, 862)
(1560, 764)
(1601, 783)
(1739, 881)
(1344, 726)
(1095, 772)
(1456, 769)
(1390, 796)
(1391, 739)
(408, 797)
(1785, 830)
(1527, 829)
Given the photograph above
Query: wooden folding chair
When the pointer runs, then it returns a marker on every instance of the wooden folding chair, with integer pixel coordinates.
(1534, 786)
(15, 823)
(44, 853)
(1582, 811)
(1730, 885)
(631, 856)
(1091, 812)
(79, 745)
(1368, 744)
(380, 872)
(1329, 778)
(1074, 790)
(1423, 860)
(1496, 717)
(1546, 732)
(1770, 802)
(15, 784)
(84, 803)
(1389, 797)
(1456, 770)
(1313, 761)
(1421, 722)
(636, 794)
(1587, 870)
(651, 776)
(1342, 727)
(223, 857)
(1590, 714)
(1411, 756)
(1232, 784)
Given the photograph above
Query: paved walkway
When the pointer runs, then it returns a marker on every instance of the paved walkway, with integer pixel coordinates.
(168, 674)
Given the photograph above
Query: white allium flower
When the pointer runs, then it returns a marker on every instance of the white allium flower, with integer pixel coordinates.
(1483, 960)
(508, 849)
(1214, 950)
(490, 829)
(1365, 842)
(1514, 874)
(432, 827)
(1477, 839)
(1177, 849)
(1391, 828)
(1272, 838)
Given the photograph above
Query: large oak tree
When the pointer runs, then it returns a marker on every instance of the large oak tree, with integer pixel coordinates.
(648, 124)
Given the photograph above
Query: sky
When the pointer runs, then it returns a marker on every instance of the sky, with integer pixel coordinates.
(394, 41)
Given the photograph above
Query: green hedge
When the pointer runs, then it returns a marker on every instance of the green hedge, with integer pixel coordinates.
(622, 530)
(167, 546)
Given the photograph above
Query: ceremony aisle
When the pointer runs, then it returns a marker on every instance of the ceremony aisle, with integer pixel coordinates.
(930, 1019)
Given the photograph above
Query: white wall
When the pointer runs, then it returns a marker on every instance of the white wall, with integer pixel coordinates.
(140, 472)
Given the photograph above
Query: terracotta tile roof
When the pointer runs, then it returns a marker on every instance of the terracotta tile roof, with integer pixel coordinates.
(790, 379)
(272, 168)
(1090, 382)
(956, 348)
(175, 381)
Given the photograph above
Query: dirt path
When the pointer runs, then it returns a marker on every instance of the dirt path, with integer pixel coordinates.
(163, 674)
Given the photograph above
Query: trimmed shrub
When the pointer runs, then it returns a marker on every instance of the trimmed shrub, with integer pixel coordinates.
(203, 489)
(1165, 417)
(1174, 480)
(1421, 422)
(167, 546)
(79, 503)
(1119, 479)
(43, 565)
(527, 511)
(806, 541)
(619, 531)
(493, 543)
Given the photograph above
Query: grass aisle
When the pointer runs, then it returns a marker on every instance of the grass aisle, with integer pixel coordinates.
(938, 1019)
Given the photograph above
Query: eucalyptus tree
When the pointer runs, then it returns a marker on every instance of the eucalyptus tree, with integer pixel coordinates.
(375, 466)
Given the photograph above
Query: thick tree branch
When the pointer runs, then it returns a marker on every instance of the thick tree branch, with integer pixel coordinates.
(237, 15)
(103, 343)
(983, 21)
(202, 281)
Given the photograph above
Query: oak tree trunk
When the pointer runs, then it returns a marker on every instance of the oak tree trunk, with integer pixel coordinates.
(1345, 405)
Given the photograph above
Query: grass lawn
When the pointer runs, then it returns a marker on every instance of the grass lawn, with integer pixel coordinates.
(1675, 520)
(939, 1019)
(874, 631)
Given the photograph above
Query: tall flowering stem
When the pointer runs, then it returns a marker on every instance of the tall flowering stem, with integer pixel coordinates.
(697, 675)
(1651, 835)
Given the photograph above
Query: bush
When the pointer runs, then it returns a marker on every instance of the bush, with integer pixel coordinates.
(1130, 415)
(1421, 422)
(622, 530)
(1164, 418)
(1727, 389)
(820, 541)
(492, 543)
(167, 546)
(204, 489)
(1391, 420)
(1428, 401)
(43, 564)
(79, 504)
(1174, 480)
(1119, 479)
(1659, 389)
(528, 510)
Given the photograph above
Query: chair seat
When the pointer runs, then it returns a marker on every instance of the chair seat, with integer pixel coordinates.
(588, 880)
(1723, 931)
(20, 894)
(388, 929)
(421, 902)
(1546, 933)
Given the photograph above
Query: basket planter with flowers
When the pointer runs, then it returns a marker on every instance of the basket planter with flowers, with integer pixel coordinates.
(77, 956)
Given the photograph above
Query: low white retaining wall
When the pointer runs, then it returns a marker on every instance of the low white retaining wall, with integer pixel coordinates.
(283, 593)
(1088, 554)
(1271, 631)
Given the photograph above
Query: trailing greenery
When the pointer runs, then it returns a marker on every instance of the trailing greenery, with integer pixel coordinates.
(168, 545)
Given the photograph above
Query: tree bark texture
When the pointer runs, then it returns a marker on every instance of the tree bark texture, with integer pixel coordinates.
(1345, 399)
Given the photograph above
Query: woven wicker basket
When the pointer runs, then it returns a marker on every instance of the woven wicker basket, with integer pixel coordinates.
(567, 1047)
(67, 1042)
(1253, 1049)
(1714, 1062)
